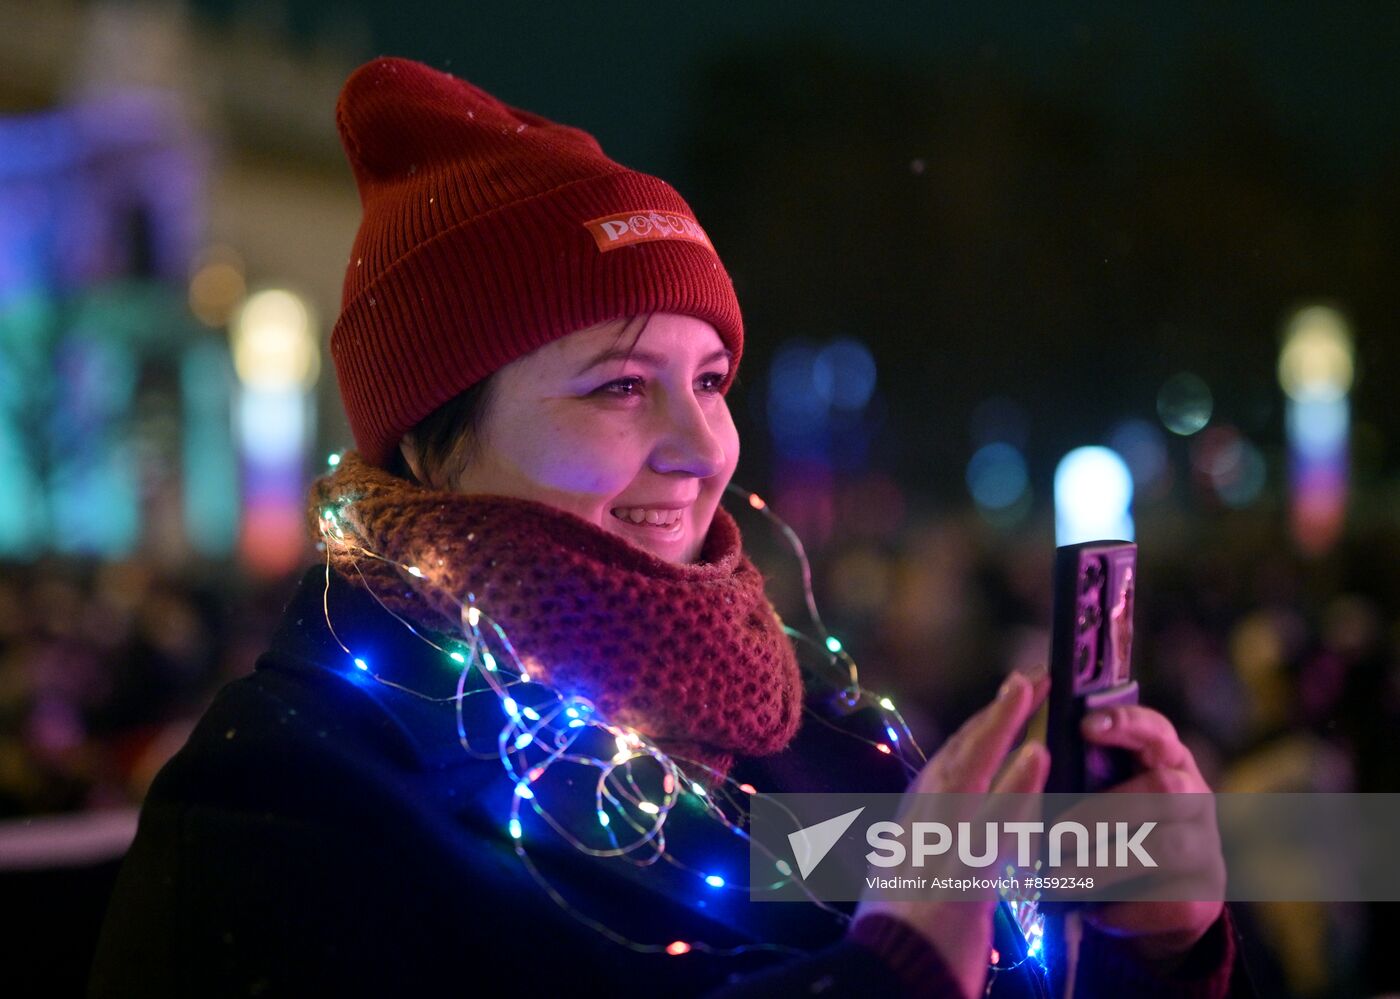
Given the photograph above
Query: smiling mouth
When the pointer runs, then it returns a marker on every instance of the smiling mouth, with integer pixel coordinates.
(659, 524)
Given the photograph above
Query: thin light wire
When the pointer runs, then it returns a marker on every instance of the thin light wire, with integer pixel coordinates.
(619, 797)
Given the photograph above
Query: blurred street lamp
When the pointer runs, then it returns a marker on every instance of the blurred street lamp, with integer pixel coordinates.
(277, 359)
(1316, 368)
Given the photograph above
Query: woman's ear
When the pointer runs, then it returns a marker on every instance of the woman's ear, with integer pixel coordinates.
(410, 456)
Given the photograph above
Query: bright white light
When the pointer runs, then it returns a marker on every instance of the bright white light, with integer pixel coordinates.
(1316, 363)
(271, 425)
(1093, 494)
(274, 346)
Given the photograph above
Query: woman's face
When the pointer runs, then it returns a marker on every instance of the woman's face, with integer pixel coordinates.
(642, 447)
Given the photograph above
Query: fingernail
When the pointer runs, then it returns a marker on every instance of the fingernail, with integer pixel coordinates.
(1024, 755)
(1101, 722)
(1037, 673)
(1008, 685)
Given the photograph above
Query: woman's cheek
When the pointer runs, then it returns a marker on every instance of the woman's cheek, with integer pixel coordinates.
(592, 465)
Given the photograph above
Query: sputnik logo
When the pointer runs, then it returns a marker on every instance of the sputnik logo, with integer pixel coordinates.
(812, 843)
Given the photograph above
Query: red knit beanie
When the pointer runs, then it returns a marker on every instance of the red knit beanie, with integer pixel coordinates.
(489, 231)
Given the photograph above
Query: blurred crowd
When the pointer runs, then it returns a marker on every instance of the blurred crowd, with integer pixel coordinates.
(1282, 672)
(104, 667)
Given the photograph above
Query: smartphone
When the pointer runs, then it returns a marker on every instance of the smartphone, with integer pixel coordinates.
(1091, 644)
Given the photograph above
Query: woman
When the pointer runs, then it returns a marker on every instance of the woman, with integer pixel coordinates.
(534, 350)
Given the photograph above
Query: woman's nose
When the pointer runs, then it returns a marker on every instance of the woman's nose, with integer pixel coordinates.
(688, 443)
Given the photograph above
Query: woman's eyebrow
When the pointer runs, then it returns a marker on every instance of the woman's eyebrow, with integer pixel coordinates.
(646, 357)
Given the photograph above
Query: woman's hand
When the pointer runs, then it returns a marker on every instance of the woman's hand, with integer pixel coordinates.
(1161, 932)
(968, 762)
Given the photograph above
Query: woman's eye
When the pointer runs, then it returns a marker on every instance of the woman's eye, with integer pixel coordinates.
(619, 387)
(628, 388)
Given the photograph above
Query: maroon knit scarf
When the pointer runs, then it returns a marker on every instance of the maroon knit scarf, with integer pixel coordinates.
(692, 656)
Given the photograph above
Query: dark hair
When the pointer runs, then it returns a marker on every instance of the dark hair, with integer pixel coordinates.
(447, 440)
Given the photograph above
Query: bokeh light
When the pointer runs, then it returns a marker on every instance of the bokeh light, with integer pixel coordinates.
(1231, 464)
(795, 405)
(271, 425)
(1247, 479)
(1317, 362)
(843, 373)
(274, 346)
(1144, 449)
(1184, 404)
(1317, 428)
(217, 287)
(996, 476)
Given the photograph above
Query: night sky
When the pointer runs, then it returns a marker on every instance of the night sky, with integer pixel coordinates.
(1327, 72)
(1060, 206)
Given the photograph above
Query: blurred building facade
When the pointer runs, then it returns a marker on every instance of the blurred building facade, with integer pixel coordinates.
(154, 172)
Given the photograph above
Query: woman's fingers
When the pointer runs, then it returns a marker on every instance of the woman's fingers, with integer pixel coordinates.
(970, 758)
(1026, 772)
(1143, 731)
(1169, 780)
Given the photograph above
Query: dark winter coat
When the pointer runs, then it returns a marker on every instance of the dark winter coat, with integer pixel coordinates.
(324, 834)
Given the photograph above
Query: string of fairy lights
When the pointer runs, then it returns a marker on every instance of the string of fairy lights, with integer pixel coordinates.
(636, 787)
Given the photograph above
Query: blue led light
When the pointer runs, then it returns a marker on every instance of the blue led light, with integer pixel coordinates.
(531, 714)
(522, 790)
(511, 707)
(457, 657)
(514, 828)
(361, 664)
(524, 741)
(603, 819)
(715, 881)
(843, 373)
(833, 643)
(997, 477)
(889, 731)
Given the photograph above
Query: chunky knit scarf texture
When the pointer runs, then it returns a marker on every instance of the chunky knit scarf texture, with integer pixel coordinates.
(692, 656)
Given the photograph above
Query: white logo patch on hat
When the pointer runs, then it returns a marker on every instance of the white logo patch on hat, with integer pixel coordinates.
(626, 228)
